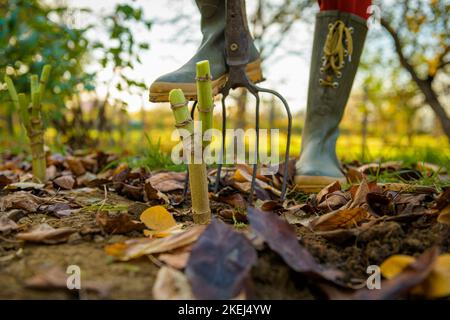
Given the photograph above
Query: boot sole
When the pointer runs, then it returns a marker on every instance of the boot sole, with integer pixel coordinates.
(313, 184)
(159, 91)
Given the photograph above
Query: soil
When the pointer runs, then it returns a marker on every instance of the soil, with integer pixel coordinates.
(272, 278)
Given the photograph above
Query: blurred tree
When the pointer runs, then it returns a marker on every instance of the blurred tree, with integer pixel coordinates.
(121, 53)
(33, 34)
(420, 32)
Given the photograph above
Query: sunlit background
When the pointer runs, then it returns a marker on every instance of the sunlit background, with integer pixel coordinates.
(388, 115)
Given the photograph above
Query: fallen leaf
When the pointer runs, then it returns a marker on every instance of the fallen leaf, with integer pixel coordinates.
(176, 258)
(75, 166)
(164, 233)
(444, 216)
(158, 219)
(117, 223)
(220, 262)
(59, 209)
(263, 185)
(281, 238)
(233, 215)
(395, 264)
(4, 181)
(135, 248)
(25, 186)
(55, 278)
(376, 168)
(443, 200)
(236, 200)
(404, 282)
(354, 176)
(64, 182)
(334, 201)
(20, 200)
(332, 187)
(171, 284)
(46, 234)
(380, 203)
(168, 181)
(339, 219)
(7, 225)
(436, 285)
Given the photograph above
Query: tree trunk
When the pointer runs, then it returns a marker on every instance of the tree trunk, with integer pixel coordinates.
(433, 101)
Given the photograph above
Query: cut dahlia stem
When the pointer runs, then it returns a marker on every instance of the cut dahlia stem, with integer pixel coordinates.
(31, 117)
(204, 96)
(198, 180)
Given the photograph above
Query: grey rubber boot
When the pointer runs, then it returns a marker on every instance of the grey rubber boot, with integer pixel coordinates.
(330, 83)
(212, 48)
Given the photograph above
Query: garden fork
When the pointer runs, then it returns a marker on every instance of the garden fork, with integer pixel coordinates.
(237, 58)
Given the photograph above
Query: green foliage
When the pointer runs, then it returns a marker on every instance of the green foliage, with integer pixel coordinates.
(33, 34)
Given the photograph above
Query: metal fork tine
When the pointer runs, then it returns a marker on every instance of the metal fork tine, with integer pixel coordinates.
(286, 155)
(255, 166)
(222, 151)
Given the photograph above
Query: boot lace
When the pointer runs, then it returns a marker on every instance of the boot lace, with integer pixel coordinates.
(338, 45)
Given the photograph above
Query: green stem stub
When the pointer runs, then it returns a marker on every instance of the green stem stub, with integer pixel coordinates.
(198, 180)
(204, 96)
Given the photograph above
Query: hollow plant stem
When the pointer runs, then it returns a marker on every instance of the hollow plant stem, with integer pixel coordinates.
(204, 96)
(197, 171)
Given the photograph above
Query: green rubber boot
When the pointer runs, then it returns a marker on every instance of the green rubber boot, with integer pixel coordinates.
(338, 44)
(212, 48)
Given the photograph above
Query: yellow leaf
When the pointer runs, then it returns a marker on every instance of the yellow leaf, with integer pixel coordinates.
(345, 218)
(238, 176)
(164, 233)
(437, 284)
(158, 219)
(444, 216)
(395, 264)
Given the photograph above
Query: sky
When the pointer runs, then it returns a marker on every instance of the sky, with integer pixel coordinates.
(288, 74)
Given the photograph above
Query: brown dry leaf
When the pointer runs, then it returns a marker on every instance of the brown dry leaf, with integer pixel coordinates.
(20, 200)
(260, 183)
(444, 216)
(354, 176)
(117, 223)
(56, 278)
(236, 200)
(171, 284)
(443, 200)
(282, 239)
(4, 181)
(25, 186)
(332, 187)
(243, 170)
(164, 233)
(430, 168)
(135, 248)
(360, 196)
(334, 201)
(374, 168)
(7, 225)
(158, 220)
(340, 219)
(220, 262)
(65, 182)
(44, 233)
(168, 181)
(436, 285)
(177, 258)
(233, 215)
(75, 166)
